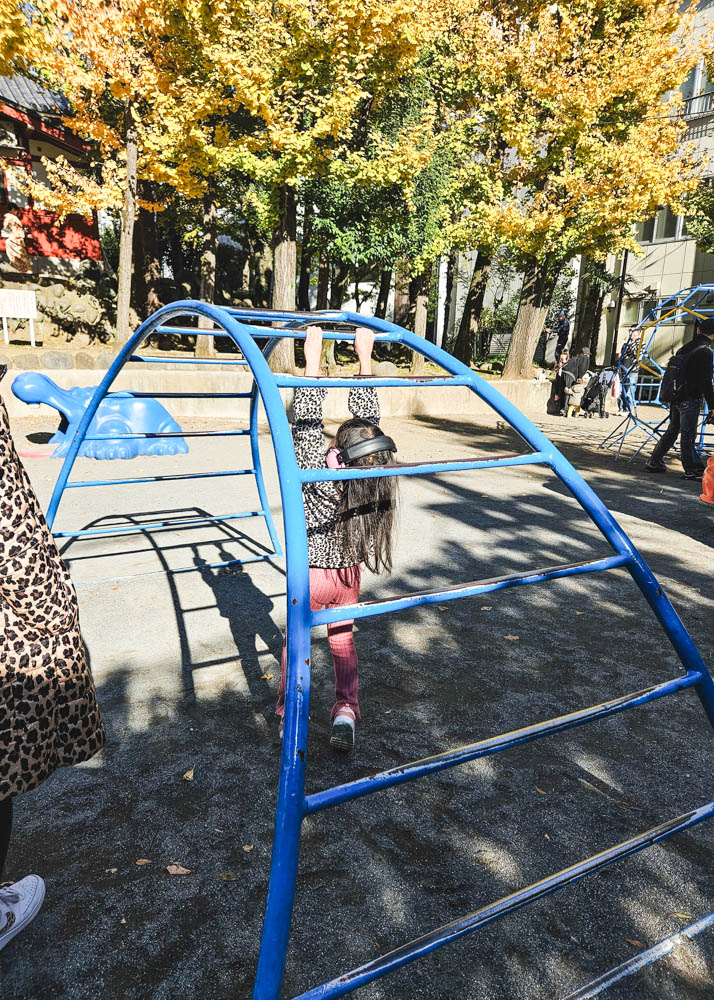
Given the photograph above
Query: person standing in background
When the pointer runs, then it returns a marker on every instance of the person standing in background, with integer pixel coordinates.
(562, 330)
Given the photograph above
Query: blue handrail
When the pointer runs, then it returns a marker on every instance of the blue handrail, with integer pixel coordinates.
(292, 804)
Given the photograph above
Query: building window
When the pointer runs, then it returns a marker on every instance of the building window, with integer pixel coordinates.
(666, 228)
(665, 225)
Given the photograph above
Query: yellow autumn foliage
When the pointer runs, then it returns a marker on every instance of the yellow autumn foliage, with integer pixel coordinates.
(570, 118)
(13, 25)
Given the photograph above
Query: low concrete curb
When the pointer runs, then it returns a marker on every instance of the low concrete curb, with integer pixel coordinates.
(411, 401)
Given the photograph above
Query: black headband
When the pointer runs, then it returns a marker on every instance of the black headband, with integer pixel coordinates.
(367, 447)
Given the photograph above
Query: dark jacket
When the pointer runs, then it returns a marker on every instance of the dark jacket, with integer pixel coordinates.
(698, 372)
(563, 329)
(578, 366)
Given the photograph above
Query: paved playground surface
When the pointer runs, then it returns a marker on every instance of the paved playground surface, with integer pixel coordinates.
(186, 668)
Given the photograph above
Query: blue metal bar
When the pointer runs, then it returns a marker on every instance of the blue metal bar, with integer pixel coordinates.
(158, 479)
(182, 523)
(348, 612)
(485, 748)
(151, 360)
(509, 904)
(257, 465)
(645, 958)
(164, 434)
(420, 468)
(373, 381)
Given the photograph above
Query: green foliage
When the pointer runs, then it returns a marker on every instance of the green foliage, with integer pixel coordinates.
(700, 217)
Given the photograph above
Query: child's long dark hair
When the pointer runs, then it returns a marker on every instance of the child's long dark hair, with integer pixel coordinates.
(368, 507)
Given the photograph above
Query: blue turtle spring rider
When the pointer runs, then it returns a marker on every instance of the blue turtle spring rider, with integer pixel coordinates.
(133, 420)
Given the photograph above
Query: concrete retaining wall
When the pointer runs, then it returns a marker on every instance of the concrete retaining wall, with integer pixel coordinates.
(411, 401)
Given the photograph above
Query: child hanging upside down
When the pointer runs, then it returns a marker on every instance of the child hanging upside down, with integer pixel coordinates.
(349, 523)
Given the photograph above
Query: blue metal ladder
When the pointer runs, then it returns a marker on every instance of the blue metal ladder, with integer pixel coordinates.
(127, 355)
(243, 326)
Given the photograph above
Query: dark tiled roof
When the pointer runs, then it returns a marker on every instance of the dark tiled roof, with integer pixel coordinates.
(28, 95)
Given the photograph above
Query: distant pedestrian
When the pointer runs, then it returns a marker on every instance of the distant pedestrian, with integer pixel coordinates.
(562, 330)
(684, 410)
(48, 709)
(575, 373)
(557, 401)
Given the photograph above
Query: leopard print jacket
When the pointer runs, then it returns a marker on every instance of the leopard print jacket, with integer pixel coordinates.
(325, 542)
(48, 708)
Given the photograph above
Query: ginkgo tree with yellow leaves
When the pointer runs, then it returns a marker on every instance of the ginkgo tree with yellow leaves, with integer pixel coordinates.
(326, 65)
(13, 34)
(563, 107)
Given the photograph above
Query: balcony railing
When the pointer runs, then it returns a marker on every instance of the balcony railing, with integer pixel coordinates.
(703, 104)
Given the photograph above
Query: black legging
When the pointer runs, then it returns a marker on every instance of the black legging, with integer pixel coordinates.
(5, 831)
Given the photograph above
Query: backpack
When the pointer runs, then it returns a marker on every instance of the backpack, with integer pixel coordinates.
(673, 388)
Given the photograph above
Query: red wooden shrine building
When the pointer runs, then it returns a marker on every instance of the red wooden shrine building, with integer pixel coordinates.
(31, 128)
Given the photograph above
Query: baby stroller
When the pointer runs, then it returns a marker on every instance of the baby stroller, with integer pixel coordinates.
(596, 391)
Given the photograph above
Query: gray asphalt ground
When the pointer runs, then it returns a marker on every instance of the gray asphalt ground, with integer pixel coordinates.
(186, 666)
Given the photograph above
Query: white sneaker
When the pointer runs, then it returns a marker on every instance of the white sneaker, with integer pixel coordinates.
(19, 904)
(343, 730)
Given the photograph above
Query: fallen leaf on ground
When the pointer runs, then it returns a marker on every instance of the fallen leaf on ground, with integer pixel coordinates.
(684, 916)
(267, 677)
(634, 942)
(579, 612)
(511, 637)
(115, 587)
(177, 870)
(442, 607)
(111, 871)
(143, 861)
(540, 790)
(188, 776)
(227, 876)
(247, 847)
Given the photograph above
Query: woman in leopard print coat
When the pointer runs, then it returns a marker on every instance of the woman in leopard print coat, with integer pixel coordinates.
(48, 708)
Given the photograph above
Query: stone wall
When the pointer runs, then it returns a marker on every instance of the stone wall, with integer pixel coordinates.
(75, 301)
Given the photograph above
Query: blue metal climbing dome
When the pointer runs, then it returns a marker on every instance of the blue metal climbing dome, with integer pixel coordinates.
(244, 327)
(641, 374)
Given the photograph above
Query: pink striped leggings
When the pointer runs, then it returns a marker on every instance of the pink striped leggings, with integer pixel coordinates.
(333, 588)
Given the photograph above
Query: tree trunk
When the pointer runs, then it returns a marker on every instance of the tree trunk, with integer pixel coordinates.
(147, 265)
(421, 291)
(303, 296)
(595, 330)
(385, 284)
(536, 296)
(450, 271)
(473, 307)
(402, 302)
(126, 240)
(262, 286)
(205, 346)
(285, 265)
(323, 281)
(338, 285)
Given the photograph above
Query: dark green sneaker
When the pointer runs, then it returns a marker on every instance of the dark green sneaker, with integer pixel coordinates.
(343, 730)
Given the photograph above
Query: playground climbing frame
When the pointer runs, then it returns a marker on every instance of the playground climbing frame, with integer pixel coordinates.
(293, 805)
